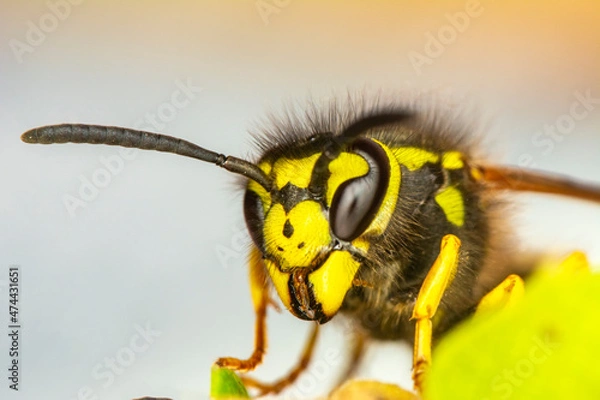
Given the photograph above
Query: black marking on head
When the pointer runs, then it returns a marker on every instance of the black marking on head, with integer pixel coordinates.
(288, 229)
(289, 195)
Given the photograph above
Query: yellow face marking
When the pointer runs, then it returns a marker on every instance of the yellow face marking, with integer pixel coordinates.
(452, 160)
(287, 249)
(280, 281)
(451, 201)
(343, 168)
(361, 243)
(388, 205)
(266, 167)
(264, 196)
(309, 238)
(413, 157)
(295, 171)
(332, 280)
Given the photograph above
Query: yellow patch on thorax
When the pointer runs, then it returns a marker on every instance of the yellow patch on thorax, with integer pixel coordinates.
(452, 160)
(414, 158)
(450, 199)
(451, 202)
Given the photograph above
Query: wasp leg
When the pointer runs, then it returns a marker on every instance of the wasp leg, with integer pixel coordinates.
(506, 293)
(279, 385)
(576, 263)
(358, 351)
(435, 284)
(153, 398)
(261, 299)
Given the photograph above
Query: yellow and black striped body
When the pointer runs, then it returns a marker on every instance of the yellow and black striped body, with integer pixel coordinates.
(360, 238)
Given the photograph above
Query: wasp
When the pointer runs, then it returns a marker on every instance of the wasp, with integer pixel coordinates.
(381, 214)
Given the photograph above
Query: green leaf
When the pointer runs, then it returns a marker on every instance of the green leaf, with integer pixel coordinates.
(547, 346)
(225, 384)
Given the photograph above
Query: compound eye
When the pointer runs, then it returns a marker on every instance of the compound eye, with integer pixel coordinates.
(356, 201)
(254, 216)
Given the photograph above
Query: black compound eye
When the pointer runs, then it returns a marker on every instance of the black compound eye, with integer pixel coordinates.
(356, 201)
(254, 216)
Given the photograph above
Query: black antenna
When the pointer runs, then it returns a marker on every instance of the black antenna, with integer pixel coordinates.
(116, 136)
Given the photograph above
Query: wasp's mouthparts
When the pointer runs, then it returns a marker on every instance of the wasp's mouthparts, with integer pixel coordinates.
(303, 303)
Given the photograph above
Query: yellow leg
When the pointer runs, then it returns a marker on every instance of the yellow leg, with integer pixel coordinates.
(290, 378)
(575, 263)
(506, 293)
(261, 299)
(512, 288)
(435, 284)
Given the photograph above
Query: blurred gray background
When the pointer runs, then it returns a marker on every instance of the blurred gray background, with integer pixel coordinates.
(162, 246)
